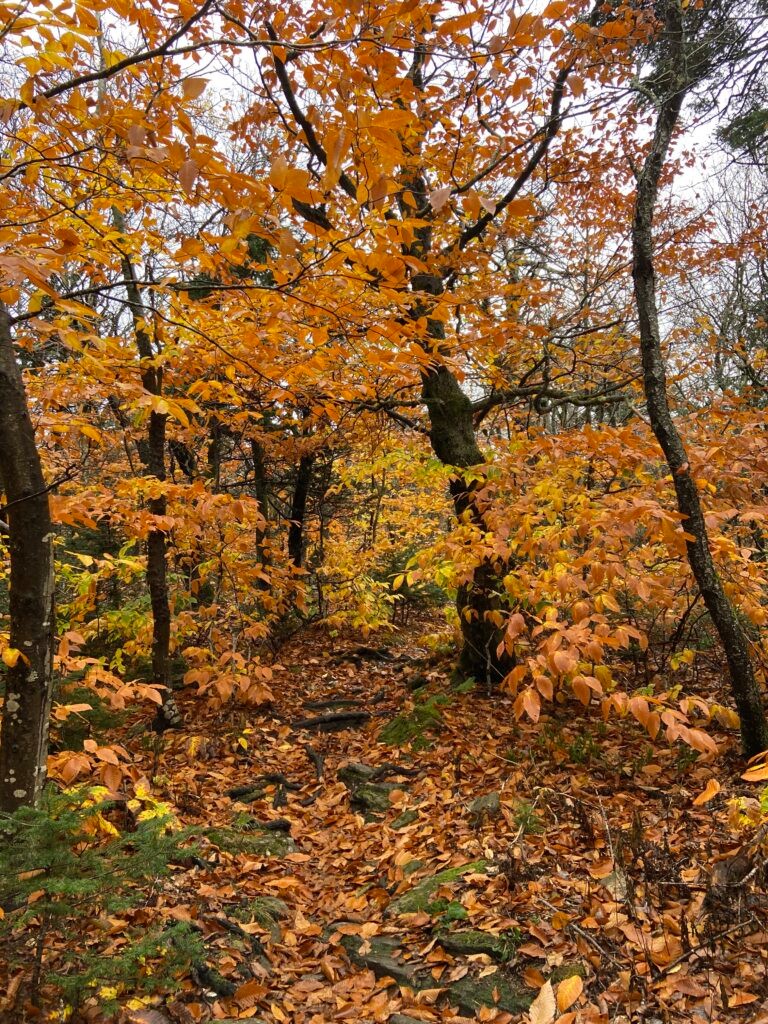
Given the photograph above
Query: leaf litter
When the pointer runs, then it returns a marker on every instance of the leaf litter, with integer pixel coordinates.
(610, 873)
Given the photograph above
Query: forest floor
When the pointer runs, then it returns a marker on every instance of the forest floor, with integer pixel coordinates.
(564, 863)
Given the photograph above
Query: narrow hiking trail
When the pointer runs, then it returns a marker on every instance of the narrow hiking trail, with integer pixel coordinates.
(501, 863)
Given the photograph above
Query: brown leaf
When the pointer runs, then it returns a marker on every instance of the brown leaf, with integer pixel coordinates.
(191, 88)
(188, 174)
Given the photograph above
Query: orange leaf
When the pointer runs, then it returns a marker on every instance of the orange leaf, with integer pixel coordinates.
(532, 704)
(191, 88)
(569, 991)
(617, 30)
(711, 790)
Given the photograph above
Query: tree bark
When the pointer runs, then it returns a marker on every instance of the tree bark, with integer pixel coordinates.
(454, 442)
(152, 454)
(27, 707)
(261, 492)
(299, 509)
(746, 691)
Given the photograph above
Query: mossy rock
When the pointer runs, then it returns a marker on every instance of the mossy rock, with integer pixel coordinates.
(411, 866)
(420, 896)
(254, 841)
(405, 819)
(373, 797)
(487, 806)
(355, 774)
(447, 910)
(567, 971)
(492, 990)
(469, 941)
(377, 955)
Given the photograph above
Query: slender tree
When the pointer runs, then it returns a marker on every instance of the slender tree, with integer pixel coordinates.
(681, 57)
(29, 657)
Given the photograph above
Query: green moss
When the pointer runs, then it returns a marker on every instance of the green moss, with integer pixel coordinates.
(420, 896)
(567, 971)
(494, 990)
(255, 842)
(447, 910)
(468, 942)
(403, 820)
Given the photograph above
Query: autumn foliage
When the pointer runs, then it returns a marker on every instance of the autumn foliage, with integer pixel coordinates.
(383, 363)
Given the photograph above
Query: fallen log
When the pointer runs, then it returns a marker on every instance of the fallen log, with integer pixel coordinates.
(333, 721)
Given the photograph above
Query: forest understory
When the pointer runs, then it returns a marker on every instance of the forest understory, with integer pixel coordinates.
(383, 511)
(501, 871)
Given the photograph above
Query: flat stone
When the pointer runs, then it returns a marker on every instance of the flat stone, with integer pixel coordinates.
(379, 958)
(355, 774)
(373, 796)
(487, 806)
(252, 841)
(403, 820)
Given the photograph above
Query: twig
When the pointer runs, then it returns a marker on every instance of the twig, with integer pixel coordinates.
(707, 942)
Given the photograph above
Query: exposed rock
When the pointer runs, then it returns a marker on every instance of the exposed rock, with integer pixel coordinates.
(373, 797)
(376, 954)
(365, 794)
(355, 774)
(403, 820)
(253, 841)
(487, 806)
(469, 941)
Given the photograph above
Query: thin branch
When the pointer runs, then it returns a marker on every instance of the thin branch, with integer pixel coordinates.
(314, 144)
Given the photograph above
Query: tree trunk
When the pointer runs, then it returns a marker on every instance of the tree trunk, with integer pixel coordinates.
(261, 492)
(746, 691)
(452, 434)
(454, 442)
(299, 510)
(153, 456)
(26, 711)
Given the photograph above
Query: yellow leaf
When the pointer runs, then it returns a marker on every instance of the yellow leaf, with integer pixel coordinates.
(568, 992)
(710, 790)
(11, 656)
(88, 431)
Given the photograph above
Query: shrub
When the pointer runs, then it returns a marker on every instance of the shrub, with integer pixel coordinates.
(66, 869)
